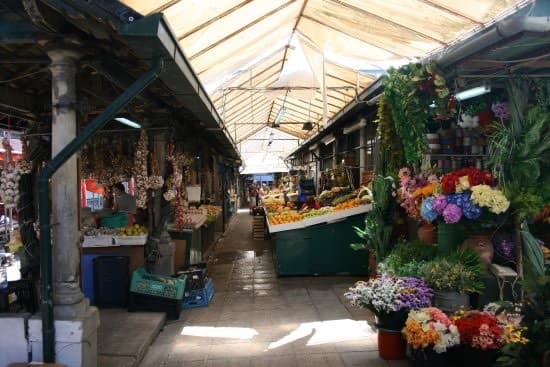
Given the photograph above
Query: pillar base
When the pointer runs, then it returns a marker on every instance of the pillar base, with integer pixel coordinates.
(75, 339)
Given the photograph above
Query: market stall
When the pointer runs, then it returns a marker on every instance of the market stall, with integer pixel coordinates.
(316, 240)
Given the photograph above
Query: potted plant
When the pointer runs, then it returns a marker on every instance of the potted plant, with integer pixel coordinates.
(431, 334)
(408, 259)
(390, 299)
(453, 278)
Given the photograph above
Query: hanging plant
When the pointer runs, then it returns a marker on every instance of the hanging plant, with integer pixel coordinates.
(9, 179)
(391, 147)
(415, 93)
(140, 171)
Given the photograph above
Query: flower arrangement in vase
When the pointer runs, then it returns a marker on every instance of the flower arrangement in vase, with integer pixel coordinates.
(430, 327)
(387, 296)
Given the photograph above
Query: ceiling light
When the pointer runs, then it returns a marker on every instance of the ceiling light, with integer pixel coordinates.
(127, 122)
(473, 92)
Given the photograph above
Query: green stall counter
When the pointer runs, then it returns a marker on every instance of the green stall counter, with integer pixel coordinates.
(322, 249)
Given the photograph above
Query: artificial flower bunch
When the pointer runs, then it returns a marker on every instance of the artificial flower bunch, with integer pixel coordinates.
(464, 193)
(509, 317)
(385, 294)
(413, 189)
(430, 327)
(479, 330)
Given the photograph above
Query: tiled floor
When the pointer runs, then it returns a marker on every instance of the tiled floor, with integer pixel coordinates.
(257, 319)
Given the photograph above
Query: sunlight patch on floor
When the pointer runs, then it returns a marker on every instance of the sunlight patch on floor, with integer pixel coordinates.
(324, 332)
(220, 332)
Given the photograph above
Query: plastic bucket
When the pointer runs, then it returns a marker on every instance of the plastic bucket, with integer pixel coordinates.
(391, 344)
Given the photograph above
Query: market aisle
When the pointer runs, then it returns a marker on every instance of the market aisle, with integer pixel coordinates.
(257, 319)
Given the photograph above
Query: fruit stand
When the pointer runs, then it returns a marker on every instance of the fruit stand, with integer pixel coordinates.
(317, 241)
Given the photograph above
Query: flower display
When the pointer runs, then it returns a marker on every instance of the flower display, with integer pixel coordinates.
(493, 199)
(479, 330)
(501, 111)
(386, 294)
(462, 194)
(413, 190)
(430, 327)
(508, 316)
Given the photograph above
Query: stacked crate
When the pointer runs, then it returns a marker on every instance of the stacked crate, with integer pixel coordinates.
(258, 227)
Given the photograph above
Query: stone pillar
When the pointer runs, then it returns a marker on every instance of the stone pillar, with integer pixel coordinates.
(71, 308)
(65, 193)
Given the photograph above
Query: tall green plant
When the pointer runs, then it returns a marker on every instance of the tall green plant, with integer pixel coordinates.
(391, 148)
(378, 222)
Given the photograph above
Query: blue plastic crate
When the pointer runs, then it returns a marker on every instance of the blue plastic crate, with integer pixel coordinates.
(199, 297)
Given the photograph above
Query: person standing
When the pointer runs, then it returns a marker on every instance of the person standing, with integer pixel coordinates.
(123, 202)
(254, 194)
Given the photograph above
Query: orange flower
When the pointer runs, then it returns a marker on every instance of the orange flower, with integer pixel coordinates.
(426, 190)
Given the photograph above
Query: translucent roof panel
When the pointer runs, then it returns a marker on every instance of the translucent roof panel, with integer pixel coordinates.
(240, 49)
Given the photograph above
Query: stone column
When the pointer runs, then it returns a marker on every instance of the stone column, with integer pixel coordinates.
(65, 192)
(71, 309)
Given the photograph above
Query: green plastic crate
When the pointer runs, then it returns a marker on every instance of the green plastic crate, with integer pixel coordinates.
(158, 285)
(115, 221)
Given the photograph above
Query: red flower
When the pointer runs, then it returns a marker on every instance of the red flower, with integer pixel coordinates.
(448, 183)
(479, 330)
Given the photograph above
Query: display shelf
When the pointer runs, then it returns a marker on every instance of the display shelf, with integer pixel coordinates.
(326, 218)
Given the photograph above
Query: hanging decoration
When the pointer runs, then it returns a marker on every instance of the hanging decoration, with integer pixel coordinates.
(155, 181)
(9, 179)
(24, 166)
(140, 171)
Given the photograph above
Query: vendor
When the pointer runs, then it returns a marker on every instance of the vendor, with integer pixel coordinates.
(123, 202)
(311, 203)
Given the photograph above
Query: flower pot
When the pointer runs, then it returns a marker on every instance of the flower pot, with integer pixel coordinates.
(449, 237)
(473, 357)
(391, 344)
(427, 357)
(451, 301)
(392, 321)
(427, 233)
(483, 245)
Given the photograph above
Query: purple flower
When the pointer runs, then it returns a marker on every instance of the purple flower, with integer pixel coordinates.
(452, 213)
(439, 204)
(500, 109)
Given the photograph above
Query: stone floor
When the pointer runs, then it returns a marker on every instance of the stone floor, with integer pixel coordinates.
(257, 319)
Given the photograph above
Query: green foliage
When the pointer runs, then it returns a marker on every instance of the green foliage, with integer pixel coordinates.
(533, 255)
(391, 148)
(378, 222)
(460, 271)
(407, 259)
(536, 320)
(409, 92)
(519, 153)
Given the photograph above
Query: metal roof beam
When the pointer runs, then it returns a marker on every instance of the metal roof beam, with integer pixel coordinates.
(352, 36)
(387, 21)
(238, 31)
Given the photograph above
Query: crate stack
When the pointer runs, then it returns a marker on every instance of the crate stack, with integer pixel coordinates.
(258, 227)
(199, 288)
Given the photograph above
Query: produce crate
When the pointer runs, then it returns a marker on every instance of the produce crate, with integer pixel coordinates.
(130, 240)
(157, 285)
(19, 296)
(199, 297)
(97, 241)
(258, 227)
(115, 221)
(197, 276)
(147, 303)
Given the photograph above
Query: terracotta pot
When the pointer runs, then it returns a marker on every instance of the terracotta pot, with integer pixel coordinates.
(483, 245)
(427, 233)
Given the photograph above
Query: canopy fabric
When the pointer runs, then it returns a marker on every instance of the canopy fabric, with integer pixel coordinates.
(264, 151)
(241, 49)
